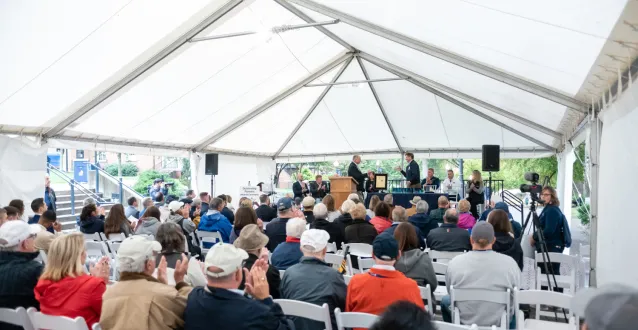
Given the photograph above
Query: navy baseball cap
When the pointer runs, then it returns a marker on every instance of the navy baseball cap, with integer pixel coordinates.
(158, 181)
(385, 247)
(285, 204)
(503, 206)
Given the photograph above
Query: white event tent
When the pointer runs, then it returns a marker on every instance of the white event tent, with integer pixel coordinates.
(314, 80)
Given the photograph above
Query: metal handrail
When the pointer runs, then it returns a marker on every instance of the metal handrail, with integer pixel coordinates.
(75, 184)
(513, 201)
(116, 180)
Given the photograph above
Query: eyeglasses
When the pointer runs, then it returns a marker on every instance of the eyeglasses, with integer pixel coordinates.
(546, 194)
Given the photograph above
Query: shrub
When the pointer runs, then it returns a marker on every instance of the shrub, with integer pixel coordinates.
(583, 213)
(128, 169)
(146, 179)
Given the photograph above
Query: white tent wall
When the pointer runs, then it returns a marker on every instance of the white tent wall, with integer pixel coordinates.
(617, 226)
(565, 180)
(22, 169)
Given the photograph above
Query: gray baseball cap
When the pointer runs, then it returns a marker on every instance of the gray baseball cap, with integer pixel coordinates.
(614, 306)
(483, 230)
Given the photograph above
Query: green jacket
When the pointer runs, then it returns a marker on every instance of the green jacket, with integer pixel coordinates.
(437, 215)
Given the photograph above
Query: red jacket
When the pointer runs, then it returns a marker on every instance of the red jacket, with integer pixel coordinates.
(72, 297)
(381, 223)
(377, 289)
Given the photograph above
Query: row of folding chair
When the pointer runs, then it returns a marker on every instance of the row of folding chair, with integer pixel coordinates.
(31, 319)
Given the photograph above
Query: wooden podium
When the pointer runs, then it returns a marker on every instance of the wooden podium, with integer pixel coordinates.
(340, 188)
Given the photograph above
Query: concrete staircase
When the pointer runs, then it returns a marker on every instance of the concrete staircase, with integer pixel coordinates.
(64, 212)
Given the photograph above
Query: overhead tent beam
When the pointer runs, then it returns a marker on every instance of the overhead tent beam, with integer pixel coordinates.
(272, 101)
(102, 93)
(354, 82)
(313, 107)
(376, 98)
(447, 56)
(413, 79)
(430, 151)
(468, 98)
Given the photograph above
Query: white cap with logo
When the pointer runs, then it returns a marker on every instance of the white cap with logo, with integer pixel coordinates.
(226, 257)
(15, 232)
(175, 205)
(138, 247)
(314, 239)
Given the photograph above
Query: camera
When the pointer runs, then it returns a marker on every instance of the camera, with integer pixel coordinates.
(168, 184)
(534, 189)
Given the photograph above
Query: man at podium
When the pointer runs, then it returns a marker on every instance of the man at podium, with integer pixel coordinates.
(355, 172)
(412, 172)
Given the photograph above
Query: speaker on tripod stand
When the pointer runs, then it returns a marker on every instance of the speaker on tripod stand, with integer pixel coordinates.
(491, 162)
(210, 168)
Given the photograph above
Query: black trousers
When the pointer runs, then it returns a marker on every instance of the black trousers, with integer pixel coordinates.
(473, 203)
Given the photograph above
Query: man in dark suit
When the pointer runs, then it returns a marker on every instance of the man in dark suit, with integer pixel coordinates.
(431, 180)
(299, 188)
(357, 175)
(265, 212)
(319, 189)
(412, 172)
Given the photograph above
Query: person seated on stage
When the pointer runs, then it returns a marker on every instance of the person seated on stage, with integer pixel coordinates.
(466, 219)
(431, 180)
(400, 216)
(414, 263)
(345, 219)
(333, 213)
(319, 189)
(505, 241)
(265, 212)
(214, 220)
(288, 253)
(382, 280)
(412, 172)
(516, 227)
(451, 183)
(382, 220)
(449, 237)
(300, 188)
(276, 229)
(335, 231)
(421, 219)
(437, 214)
(360, 231)
(371, 185)
(412, 211)
(308, 204)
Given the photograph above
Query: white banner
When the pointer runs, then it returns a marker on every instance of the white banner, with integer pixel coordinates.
(251, 192)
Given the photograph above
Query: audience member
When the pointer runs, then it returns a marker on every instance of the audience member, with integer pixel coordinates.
(179, 216)
(19, 204)
(335, 231)
(38, 207)
(205, 197)
(308, 204)
(226, 211)
(482, 269)
(19, 272)
(374, 201)
(360, 231)
(610, 307)
(437, 214)
(157, 188)
(48, 222)
(421, 219)
(297, 201)
(314, 281)
(265, 212)
(190, 194)
(449, 237)
(252, 240)
(138, 300)
(131, 209)
(412, 210)
(162, 205)
(245, 216)
(399, 216)
(49, 194)
(382, 220)
(196, 211)
(466, 219)
(214, 220)
(354, 198)
(92, 219)
(345, 219)
(516, 227)
(505, 241)
(404, 315)
(220, 305)
(188, 208)
(382, 280)
(13, 213)
(318, 188)
(173, 244)
(229, 203)
(3, 216)
(64, 289)
(329, 202)
(276, 229)
(414, 263)
(288, 253)
(146, 203)
(149, 223)
(389, 199)
(117, 222)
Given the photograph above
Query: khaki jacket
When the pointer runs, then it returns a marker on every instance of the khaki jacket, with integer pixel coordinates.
(140, 302)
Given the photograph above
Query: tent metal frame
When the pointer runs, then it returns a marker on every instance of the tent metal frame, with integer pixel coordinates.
(425, 151)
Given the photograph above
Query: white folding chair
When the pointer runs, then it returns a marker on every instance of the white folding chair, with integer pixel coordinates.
(333, 259)
(281, 274)
(365, 264)
(43, 256)
(93, 237)
(426, 294)
(96, 326)
(347, 278)
(208, 237)
(306, 310)
(96, 249)
(449, 326)
(119, 237)
(354, 320)
(498, 297)
(443, 257)
(562, 281)
(441, 290)
(17, 317)
(356, 249)
(332, 247)
(49, 322)
(536, 298)
(113, 247)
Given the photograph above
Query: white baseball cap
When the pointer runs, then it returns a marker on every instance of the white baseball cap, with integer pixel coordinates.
(15, 232)
(226, 257)
(175, 205)
(137, 248)
(315, 238)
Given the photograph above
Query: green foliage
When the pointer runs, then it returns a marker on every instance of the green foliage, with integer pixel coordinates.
(146, 179)
(128, 169)
(583, 213)
(579, 169)
(186, 172)
(513, 170)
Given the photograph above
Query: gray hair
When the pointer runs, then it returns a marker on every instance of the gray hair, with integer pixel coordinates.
(451, 216)
(89, 201)
(320, 211)
(147, 202)
(399, 214)
(354, 197)
(422, 207)
(347, 206)
(295, 227)
(215, 203)
(197, 202)
(388, 199)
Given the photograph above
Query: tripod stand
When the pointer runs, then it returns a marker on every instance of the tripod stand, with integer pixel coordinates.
(549, 270)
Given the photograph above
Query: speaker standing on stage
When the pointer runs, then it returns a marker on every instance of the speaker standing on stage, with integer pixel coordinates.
(319, 189)
(412, 172)
(299, 188)
(475, 192)
(355, 172)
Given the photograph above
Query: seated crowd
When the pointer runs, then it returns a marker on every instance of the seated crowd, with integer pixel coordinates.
(166, 281)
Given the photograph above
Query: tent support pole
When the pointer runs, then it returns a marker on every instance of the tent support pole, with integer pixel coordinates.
(314, 106)
(594, 159)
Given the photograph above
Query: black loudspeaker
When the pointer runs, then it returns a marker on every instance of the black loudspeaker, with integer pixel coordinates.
(212, 161)
(491, 158)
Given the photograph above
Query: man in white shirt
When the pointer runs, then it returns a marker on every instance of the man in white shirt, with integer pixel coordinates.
(451, 183)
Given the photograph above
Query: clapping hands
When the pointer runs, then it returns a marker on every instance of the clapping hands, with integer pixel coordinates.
(256, 283)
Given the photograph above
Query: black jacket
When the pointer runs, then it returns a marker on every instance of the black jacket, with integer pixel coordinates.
(424, 223)
(344, 221)
(266, 213)
(449, 238)
(435, 182)
(298, 190)
(371, 185)
(229, 215)
(310, 217)
(272, 275)
(221, 309)
(319, 193)
(360, 231)
(335, 231)
(52, 198)
(507, 245)
(412, 172)
(92, 225)
(276, 232)
(551, 221)
(355, 173)
(419, 235)
(19, 274)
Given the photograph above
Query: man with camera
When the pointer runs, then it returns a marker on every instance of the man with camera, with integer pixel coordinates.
(157, 187)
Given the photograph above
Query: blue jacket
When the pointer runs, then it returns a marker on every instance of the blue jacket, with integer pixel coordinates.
(153, 192)
(92, 225)
(412, 172)
(215, 221)
(221, 309)
(424, 223)
(286, 254)
(418, 233)
(34, 219)
(551, 220)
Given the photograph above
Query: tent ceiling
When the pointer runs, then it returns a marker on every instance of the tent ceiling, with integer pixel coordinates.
(518, 87)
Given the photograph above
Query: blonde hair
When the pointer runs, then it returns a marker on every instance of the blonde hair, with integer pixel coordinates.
(358, 212)
(64, 258)
(464, 205)
(347, 206)
(476, 175)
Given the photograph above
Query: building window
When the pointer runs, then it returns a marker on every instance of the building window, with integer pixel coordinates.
(101, 156)
(170, 162)
(130, 157)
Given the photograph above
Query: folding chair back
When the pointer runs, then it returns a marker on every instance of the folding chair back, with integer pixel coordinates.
(93, 237)
(536, 298)
(449, 326)
(281, 274)
(96, 326)
(561, 258)
(43, 256)
(208, 237)
(354, 320)
(443, 257)
(365, 264)
(562, 281)
(359, 249)
(498, 297)
(347, 278)
(42, 321)
(426, 294)
(306, 310)
(440, 269)
(96, 249)
(333, 259)
(16, 316)
(119, 237)
(332, 247)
